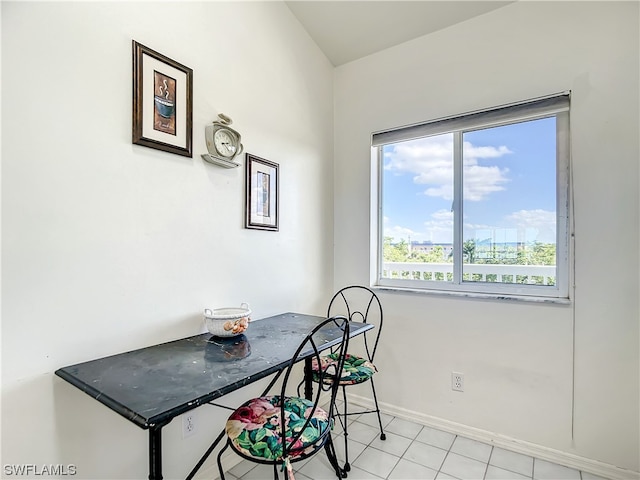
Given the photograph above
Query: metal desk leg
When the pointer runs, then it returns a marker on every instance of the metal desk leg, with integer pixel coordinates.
(155, 451)
(308, 379)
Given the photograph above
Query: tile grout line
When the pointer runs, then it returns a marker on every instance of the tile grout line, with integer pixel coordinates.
(445, 458)
(486, 469)
(414, 441)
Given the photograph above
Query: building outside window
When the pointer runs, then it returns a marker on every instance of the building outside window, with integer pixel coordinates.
(476, 203)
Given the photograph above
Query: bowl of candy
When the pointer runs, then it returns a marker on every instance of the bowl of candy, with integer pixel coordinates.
(228, 322)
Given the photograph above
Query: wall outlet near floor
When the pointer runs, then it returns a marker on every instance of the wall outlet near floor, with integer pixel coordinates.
(457, 381)
(188, 424)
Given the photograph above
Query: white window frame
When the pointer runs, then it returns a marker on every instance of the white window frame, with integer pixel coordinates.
(554, 105)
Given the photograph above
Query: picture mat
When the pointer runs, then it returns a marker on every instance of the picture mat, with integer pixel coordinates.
(149, 64)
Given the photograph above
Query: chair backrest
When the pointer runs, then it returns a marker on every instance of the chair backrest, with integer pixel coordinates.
(360, 304)
(336, 328)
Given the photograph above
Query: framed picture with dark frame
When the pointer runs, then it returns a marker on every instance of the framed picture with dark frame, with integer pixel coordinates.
(262, 191)
(162, 102)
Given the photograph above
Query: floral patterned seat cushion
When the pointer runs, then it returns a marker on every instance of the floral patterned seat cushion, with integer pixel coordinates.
(254, 428)
(356, 369)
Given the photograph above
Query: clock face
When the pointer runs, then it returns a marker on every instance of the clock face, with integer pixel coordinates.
(225, 143)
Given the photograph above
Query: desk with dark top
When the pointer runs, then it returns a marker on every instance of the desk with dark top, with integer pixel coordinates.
(152, 385)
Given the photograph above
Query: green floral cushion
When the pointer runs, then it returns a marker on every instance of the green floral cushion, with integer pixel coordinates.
(254, 428)
(356, 369)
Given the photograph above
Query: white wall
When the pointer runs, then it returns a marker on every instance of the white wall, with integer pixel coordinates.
(109, 246)
(518, 359)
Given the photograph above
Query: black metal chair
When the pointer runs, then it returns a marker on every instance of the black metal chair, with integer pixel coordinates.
(281, 429)
(358, 304)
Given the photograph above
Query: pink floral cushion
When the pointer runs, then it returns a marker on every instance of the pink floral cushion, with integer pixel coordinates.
(356, 369)
(254, 428)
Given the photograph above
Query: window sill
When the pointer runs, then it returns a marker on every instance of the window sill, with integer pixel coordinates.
(480, 296)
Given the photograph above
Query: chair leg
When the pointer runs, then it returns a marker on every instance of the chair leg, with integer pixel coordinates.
(375, 399)
(333, 459)
(219, 460)
(347, 467)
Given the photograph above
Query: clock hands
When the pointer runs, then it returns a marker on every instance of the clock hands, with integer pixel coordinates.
(230, 147)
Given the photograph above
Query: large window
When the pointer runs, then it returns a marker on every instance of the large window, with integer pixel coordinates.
(477, 203)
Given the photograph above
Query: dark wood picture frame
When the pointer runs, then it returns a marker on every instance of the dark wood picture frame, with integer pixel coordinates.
(162, 102)
(262, 189)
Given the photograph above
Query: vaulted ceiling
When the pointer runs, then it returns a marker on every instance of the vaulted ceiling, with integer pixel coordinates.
(350, 29)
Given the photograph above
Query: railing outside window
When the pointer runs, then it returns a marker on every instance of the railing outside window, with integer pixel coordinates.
(521, 274)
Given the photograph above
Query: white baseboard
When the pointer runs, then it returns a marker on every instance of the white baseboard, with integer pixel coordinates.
(605, 470)
(538, 451)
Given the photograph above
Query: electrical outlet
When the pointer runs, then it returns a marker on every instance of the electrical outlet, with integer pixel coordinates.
(188, 424)
(457, 381)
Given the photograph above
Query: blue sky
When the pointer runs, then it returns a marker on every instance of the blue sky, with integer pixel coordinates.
(509, 185)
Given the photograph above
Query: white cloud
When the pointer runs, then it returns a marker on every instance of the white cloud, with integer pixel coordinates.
(439, 229)
(538, 225)
(523, 225)
(443, 215)
(430, 160)
(533, 218)
(401, 233)
(480, 181)
(472, 151)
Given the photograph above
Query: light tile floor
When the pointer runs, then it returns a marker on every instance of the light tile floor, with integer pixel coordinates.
(415, 452)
